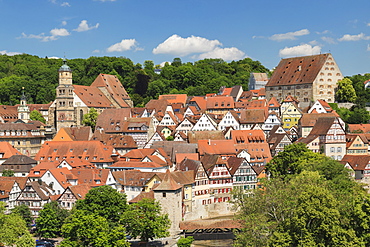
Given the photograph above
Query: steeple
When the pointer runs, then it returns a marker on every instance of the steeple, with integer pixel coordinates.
(23, 109)
(65, 74)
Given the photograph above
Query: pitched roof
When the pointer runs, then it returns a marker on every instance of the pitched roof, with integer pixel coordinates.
(81, 133)
(174, 98)
(132, 177)
(6, 186)
(114, 87)
(117, 141)
(109, 119)
(92, 96)
(222, 147)
(143, 195)
(363, 128)
(253, 116)
(63, 175)
(168, 183)
(310, 119)
(19, 159)
(273, 102)
(160, 105)
(7, 150)
(322, 126)
(91, 151)
(189, 165)
(8, 113)
(92, 176)
(135, 165)
(357, 162)
(195, 136)
(20, 180)
(220, 102)
(80, 190)
(234, 163)
(297, 70)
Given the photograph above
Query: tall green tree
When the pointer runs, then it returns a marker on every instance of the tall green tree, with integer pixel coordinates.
(50, 220)
(105, 202)
(8, 173)
(145, 220)
(25, 212)
(89, 119)
(345, 91)
(13, 230)
(84, 229)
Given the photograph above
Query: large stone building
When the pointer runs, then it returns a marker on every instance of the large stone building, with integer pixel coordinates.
(73, 101)
(306, 78)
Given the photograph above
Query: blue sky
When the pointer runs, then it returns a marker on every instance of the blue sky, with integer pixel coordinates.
(160, 30)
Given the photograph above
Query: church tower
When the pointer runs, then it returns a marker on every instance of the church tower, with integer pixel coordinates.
(64, 109)
(23, 109)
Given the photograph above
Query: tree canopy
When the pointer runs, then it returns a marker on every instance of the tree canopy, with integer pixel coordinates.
(310, 200)
(345, 91)
(50, 220)
(39, 76)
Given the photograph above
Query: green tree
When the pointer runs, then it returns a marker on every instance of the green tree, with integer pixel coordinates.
(50, 220)
(345, 91)
(83, 229)
(36, 115)
(105, 202)
(145, 220)
(25, 212)
(8, 173)
(13, 230)
(89, 119)
(185, 242)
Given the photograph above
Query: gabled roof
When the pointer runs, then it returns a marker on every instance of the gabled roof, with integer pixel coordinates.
(135, 165)
(117, 141)
(8, 150)
(92, 176)
(109, 119)
(200, 101)
(114, 87)
(8, 113)
(310, 119)
(62, 175)
(189, 165)
(80, 190)
(322, 126)
(220, 102)
(82, 133)
(160, 105)
(20, 180)
(132, 177)
(297, 70)
(359, 128)
(234, 163)
(174, 98)
(19, 159)
(357, 162)
(253, 116)
(92, 96)
(143, 195)
(168, 183)
(273, 103)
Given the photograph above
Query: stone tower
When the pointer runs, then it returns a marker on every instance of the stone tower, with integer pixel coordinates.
(23, 109)
(64, 109)
(169, 195)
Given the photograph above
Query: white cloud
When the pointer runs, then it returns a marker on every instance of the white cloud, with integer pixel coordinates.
(348, 37)
(227, 54)
(289, 35)
(83, 26)
(328, 40)
(124, 45)
(105, 0)
(64, 23)
(9, 53)
(178, 46)
(368, 47)
(55, 34)
(65, 4)
(300, 50)
(96, 51)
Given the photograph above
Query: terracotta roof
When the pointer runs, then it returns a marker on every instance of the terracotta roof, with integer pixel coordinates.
(6, 186)
(91, 151)
(109, 119)
(168, 183)
(363, 128)
(92, 176)
(114, 87)
(80, 190)
(7, 150)
(195, 136)
(132, 177)
(117, 141)
(297, 70)
(20, 180)
(234, 163)
(222, 147)
(273, 102)
(220, 102)
(189, 165)
(357, 162)
(160, 105)
(135, 165)
(181, 156)
(252, 116)
(174, 98)
(322, 126)
(142, 195)
(82, 133)
(200, 101)
(209, 161)
(62, 175)
(258, 169)
(310, 119)
(92, 96)
(8, 113)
